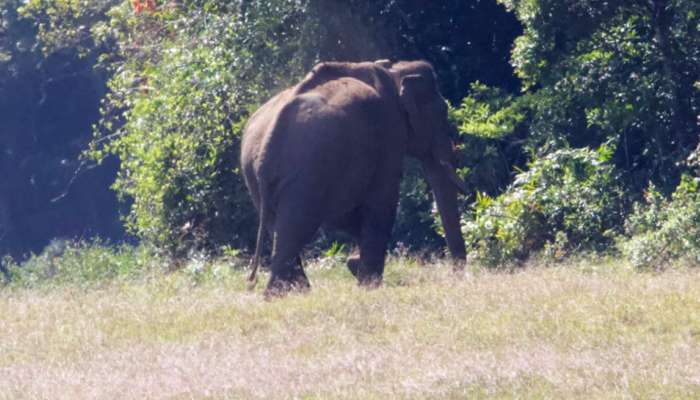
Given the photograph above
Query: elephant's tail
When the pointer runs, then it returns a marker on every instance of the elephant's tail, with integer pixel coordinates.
(253, 278)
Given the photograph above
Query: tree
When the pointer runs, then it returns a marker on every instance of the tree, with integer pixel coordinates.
(619, 71)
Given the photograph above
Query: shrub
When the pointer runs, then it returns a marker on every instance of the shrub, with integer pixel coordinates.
(664, 230)
(567, 201)
(81, 263)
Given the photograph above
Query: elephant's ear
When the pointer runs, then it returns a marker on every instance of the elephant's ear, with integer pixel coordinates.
(416, 92)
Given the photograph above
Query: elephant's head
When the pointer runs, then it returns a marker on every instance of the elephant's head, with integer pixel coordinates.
(429, 141)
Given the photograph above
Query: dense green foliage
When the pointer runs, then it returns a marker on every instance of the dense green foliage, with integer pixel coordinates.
(615, 74)
(567, 201)
(589, 153)
(666, 230)
(614, 70)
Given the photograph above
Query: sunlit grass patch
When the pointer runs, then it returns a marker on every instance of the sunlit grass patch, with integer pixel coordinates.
(570, 331)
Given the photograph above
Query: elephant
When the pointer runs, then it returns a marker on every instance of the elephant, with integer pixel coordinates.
(329, 151)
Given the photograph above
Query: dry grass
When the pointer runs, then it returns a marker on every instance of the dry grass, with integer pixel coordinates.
(576, 332)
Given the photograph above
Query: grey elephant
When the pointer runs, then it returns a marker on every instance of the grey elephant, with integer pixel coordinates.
(329, 152)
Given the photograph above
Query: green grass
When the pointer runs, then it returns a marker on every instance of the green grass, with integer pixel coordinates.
(584, 330)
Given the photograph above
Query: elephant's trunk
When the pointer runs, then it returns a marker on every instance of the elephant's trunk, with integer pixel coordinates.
(441, 177)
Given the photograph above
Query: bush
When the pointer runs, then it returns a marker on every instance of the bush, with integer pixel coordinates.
(87, 264)
(81, 263)
(567, 201)
(664, 230)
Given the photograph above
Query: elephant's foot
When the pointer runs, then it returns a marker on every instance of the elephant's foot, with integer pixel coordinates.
(281, 286)
(369, 280)
(365, 279)
(459, 265)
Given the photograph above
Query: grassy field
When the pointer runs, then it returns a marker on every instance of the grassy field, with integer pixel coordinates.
(577, 331)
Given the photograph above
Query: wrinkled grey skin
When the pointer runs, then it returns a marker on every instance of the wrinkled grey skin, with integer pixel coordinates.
(329, 152)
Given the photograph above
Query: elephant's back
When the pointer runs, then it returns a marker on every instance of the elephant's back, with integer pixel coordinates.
(335, 121)
(329, 140)
(325, 141)
(301, 124)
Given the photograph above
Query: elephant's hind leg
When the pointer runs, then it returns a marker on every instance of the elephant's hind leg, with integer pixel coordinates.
(293, 229)
(370, 227)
